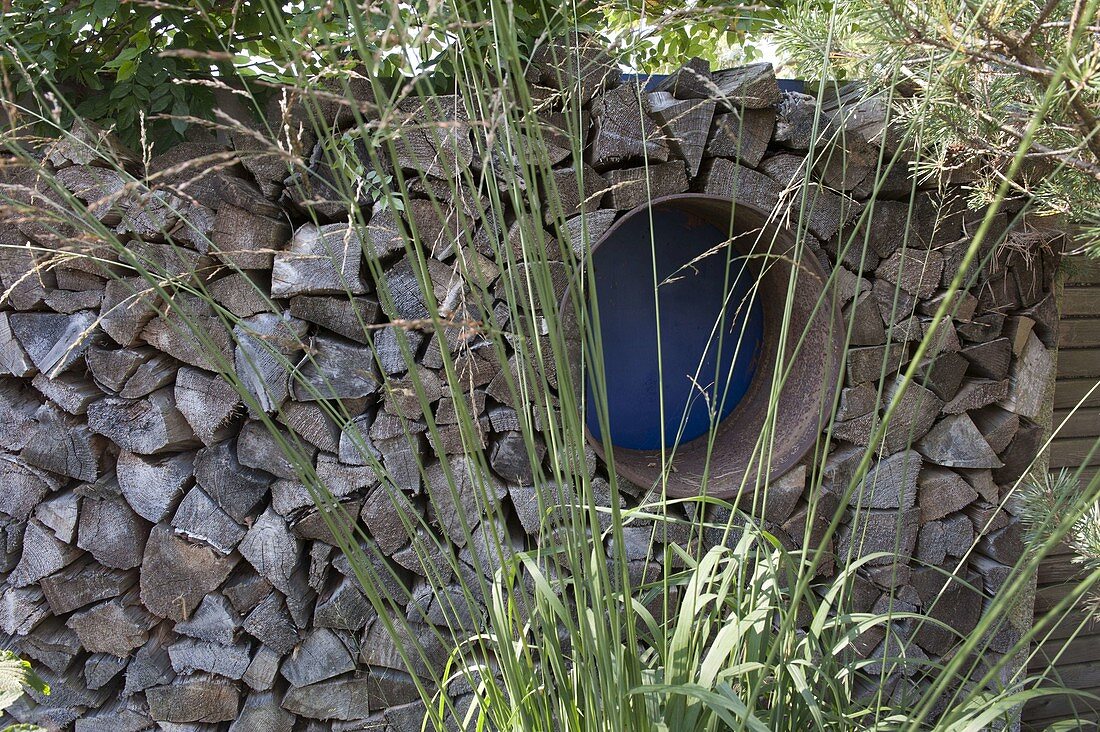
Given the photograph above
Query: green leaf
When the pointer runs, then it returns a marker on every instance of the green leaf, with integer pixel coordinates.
(126, 70)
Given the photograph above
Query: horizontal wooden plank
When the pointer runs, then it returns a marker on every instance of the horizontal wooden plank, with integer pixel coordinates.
(1079, 333)
(1058, 569)
(1082, 649)
(1048, 597)
(1083, 422)
(1040, 713)
(1067, 626)
(1069, 392)
(1073, 452)
(1078, 362)
(1081, 270)
(1080, 301)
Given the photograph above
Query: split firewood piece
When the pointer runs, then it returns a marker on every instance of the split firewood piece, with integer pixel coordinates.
(236, 489)
(194, 699)
(43, 554)
(685, 124)
(998, 426)
(872, 531)
(586, 229)
(915, 271)
(60, 514)
(320, 261)
(18, 404)
(64, 445)
(247, 240)
(116, 626)
(914, 415)
(158, 371)
(335, 369)
(208, 402)
(343, 606)
(176, 574)
(693, 80)
(1031, 376)
(22, 609)
(956, 443)
(721, 177)
(25, 487)
(226, 661)
(632, 187)
(112, 532)
(192, 332)
(868, 363)
(408, 396)
(72, 392)
(349, 317)
(215, 621)
(154, 486)
(201, 520)
(475, 493)
(111, 367)
(975, 394)
(891, 483)
(242, 293)
(145, 426)
(624, 132)
(435, 138)
(752, 87)
(322, 655)
(409, 301)
(942, 492)
(26, 281)
(13, 359)
(271, 624)
(102, 668)
(574, 189)
(53, 341)
(267, 349)
(576, 63)
(83, 582)
(272, 549)
(258, 448)
(742, 135)
(991, 359)
(314, 423)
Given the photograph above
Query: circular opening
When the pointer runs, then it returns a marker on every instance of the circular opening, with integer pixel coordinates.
(680, 328)
(738, 304)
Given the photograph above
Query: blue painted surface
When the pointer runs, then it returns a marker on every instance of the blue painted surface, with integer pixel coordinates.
(698, 375)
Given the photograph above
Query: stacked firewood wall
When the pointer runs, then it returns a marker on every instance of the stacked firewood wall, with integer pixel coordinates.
(163, 565)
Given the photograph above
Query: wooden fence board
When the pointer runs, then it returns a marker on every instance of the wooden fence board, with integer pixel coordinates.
(1080, 301)
(1079, 333)
(1079, 362)
(1070, 392)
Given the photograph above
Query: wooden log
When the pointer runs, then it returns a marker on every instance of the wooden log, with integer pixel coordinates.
(391, 343)
(242, 293)
(322, 655)
(722, 177)
(195, 698)
(61, 444)
(261, 713)
(202, 521)
(511, 459)
(128, 304)
(158, 371)
(435, 136)
(955, 442)
(22, 609)
(192, 333)
(913, 416)
(258, 448)
(116, 626)
(111, 532)
(72, 392)
(741, 135)
(175, 574)
(247, 240)
(208, 402)
(752, 87)
(587, 228)
(914, 271)
(942, 492)
(976, 394)
(390, 517)
(18, 405)
(944, 374)
(146, 426)
(268, 346)
(101, 669)
(982, 328)
(348, 317)
(686, 125)
(631, 187)
(319, 261)
(154, 486)
(245, 589)
(60, 514)
(408, 396)
(1030, 378)
(214, 621)
(574, 190)
(110, 368)
(869, 363)
(24, 278)
(312, 422)
(891, 483)
(272, 549)
(334, 368)
(343, 606)
(189, 656)
(271, 624)
(13, 359)
(873, 531)
(1021, 452)
(43, 554)
(52, 341)
(83, 582)
(25, 487)
(991, 359)
(150, 665)
(861, 318)
(575, 63)
(461, 500)
(261, 672)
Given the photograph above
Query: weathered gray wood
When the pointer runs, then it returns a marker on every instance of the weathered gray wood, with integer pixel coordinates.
(874, 531)
(342, 315)
(215, 621)
(685, 124)
(208, 402)
(158, 371)
(52, 644)
(193, 699)
(916, 412)
(335, 369)
(192, 333)
(111, 532)
(110, 368)
(975, 394)
(631, 187)
(386, 514)
(24, 278)
(990, 360)
(742, 135)
(271, 624)
(257, 448)
(18, 404)
(175, 574)
(272, 549)
(261, 713)
(312, 422)
(154, 486)
(242, 293)
(943, 375)
(70, 391)
(321, 655)
(267, 349)
(43, 554)
(575, 63)
(247, 240)
(228, 661)
(341, 699)
(201, 520)
(435, 136)
(319, 261)
(83, 582)
(62, 444)
(472, 494)
(245, 589)
(752, 87)
(53, 341)
(102, 668)
(511, 459)
(13, 359)
(22, 609)
(913, 270)
(407, 396)
(343, 606)
(998, 426)
(1030, 378)
(942, 492)
(955, 442)
(129, 303)
(723, 177)
(24, 487)
(60, 514)
(891, 483)
(573, 190)
(150, 666)
(146, 426)
(116, 626)
(869, 363)
(261, 672)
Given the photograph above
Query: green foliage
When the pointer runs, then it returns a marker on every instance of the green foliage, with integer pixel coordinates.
(15, 675)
